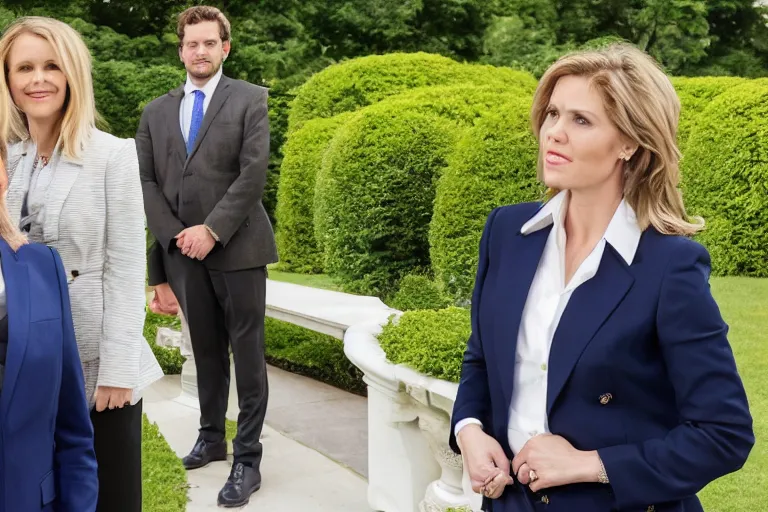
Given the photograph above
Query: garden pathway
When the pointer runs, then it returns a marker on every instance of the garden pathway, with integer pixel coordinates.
(315, 446)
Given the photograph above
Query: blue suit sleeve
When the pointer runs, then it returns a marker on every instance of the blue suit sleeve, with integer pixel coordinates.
(473, 398)
(75, 459)
(715, 434)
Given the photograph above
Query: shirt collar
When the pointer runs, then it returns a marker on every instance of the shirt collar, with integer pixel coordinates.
(622, 233)
(208, 89)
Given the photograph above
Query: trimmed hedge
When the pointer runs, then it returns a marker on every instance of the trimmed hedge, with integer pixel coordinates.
(373, 198)
(419, 292)
(356, 83)
(170, 359)
(431, 342)
(295, 235)
(493, 164)
(310, 353)
(695, 94)
(725, 179)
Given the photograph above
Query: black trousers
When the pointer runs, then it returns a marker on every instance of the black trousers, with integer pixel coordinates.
(225, 309)
(117, 442)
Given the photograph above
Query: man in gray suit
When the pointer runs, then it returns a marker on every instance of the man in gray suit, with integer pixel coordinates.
(203, 151)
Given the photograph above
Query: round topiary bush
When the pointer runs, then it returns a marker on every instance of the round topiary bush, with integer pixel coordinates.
(493, 164)
(373, 197)
(463, 104)
(364, 81)
(419, 291)
(431, 342)
(303, 158)
(695, 94)
(725, 179)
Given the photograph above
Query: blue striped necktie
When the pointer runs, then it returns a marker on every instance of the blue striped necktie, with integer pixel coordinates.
(197, 120)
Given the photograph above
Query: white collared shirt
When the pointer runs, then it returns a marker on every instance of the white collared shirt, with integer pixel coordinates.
(188, 101)
(547, 298)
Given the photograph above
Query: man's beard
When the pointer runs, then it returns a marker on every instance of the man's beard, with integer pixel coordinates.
(205, 75)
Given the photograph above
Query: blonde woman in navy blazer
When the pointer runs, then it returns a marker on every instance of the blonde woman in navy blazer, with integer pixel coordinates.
(598, 376)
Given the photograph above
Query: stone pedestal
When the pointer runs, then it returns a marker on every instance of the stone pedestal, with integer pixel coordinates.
(411, 466)
(188, 369)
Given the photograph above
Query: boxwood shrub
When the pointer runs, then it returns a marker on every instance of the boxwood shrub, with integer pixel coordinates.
(310, 353)
(419, 291)
(373, 199)
(357, 83)
(725, 179)
(493, 164)
(463, 104)
(431, 342)
(303, 158)
(695, 94)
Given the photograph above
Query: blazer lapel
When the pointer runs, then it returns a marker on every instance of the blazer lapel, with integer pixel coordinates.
(523, 261)
(174, 125)
(588, 308)
(67, 170)
(16, 277)
(219, 97)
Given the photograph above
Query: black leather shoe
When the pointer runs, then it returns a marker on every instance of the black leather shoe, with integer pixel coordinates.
(243, 481)
(205, 452)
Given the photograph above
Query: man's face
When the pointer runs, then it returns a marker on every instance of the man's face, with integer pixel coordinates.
(202, 50)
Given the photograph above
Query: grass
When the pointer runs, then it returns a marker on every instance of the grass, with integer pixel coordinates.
(165, 481)
(744, 305)
(314, 280)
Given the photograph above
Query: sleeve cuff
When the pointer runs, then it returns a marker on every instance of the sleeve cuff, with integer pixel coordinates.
(463, 423)
(214, 235)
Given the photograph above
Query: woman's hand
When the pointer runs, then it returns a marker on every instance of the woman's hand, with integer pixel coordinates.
(107, 396)
(550, 461)
(485, 460)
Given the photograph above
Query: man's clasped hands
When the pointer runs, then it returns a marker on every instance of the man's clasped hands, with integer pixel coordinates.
(545, 461)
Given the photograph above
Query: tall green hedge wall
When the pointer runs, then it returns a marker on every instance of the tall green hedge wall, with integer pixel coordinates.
(403, 182)
(725, 179)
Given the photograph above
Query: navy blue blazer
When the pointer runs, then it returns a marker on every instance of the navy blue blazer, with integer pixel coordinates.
(649, 335)
(47, 461)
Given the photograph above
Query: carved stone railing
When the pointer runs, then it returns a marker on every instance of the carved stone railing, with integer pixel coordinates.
(411, 467)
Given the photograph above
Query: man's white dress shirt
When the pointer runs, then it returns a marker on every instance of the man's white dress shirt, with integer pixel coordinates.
(188, 101)
(547, 298)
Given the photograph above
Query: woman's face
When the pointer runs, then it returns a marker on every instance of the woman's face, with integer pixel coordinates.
(37, 83)
(580, 147)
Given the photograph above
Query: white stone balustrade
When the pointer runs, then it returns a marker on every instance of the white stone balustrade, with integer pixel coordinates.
(411, 468)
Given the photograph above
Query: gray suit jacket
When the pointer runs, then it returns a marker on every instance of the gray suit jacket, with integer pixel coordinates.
(93, 217)
(219, 184)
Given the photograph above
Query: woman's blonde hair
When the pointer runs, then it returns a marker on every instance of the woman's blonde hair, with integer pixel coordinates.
(8, 230)
(642, 103)
(80, 114)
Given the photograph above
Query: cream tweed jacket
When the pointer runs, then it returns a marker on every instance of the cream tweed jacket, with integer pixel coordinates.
(93, 216)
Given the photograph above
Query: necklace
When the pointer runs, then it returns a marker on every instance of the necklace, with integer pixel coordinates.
(41, 158)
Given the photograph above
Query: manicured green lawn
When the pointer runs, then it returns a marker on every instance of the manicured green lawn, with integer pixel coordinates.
(313, 280)
(165, 481)
(744, 305)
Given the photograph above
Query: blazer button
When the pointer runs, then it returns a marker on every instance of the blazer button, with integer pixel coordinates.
(605, 398)
(545, 499)
(650, 508)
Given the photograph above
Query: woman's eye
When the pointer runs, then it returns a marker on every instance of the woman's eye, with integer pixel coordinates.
(551, 113)
(581, 120)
